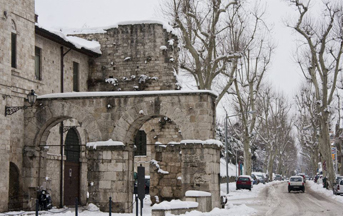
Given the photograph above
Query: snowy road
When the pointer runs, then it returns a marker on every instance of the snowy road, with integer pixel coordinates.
(275, 200)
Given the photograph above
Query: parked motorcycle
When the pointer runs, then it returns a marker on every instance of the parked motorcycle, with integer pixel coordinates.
(44, 198)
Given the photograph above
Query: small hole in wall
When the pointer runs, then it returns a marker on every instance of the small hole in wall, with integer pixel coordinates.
(114, 68)
(137, 67)
(110, 76)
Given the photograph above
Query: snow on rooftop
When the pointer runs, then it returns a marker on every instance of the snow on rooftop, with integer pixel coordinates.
(175, 204)
(121, 93)
(79, 43)
(109, 142)
(104, 29)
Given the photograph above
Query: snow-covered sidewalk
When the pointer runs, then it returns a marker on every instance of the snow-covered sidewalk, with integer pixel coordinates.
(319, 188)
(237, 205)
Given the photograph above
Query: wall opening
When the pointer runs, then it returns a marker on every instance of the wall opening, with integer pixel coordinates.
(14, 198)
(72, 167)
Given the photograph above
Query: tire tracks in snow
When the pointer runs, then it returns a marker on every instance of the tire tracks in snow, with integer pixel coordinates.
(272, 201)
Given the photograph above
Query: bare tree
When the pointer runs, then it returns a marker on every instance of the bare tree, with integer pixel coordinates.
(256, 55)
(307, 124)
(274, 129)
(320, 56)
(206, 52)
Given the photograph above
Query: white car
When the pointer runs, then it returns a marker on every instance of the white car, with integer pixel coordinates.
(296, 183)
(338, 186)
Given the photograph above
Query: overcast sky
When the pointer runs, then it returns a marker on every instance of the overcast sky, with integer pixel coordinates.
(283, 74)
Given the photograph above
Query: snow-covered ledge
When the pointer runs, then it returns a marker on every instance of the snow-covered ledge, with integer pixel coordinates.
(175, 207)
(202, 197)
(122, 93)
(109, 142)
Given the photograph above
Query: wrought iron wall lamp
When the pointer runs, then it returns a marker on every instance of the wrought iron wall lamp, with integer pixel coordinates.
(31, 97)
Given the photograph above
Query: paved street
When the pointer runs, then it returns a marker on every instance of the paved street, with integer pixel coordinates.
(275, 200)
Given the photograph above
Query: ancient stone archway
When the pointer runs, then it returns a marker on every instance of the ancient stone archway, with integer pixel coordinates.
(116, 116)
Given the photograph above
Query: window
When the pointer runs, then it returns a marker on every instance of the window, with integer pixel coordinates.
(13, 50)
(140, 142)
(76, 77)
(72, 146)
(38, 63)
(14, 45)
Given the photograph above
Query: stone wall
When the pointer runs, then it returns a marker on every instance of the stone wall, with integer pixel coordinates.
(18, 17)
(51, 67)
(165, 175)
(201, 169)
(183, 167)
(110, 174)
(130, 51)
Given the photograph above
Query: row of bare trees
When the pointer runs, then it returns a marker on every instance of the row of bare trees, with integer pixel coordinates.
(320, 26)
(226, 48)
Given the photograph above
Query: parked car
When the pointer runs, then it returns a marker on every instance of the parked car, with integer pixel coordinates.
(278, 177)
(296, 183)
(255, 180)
(260, 176)
(303, 175)
(338, 186)
(146, 186)
(244, 182)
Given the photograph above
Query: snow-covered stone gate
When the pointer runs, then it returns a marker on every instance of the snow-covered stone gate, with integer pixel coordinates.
(107, 168)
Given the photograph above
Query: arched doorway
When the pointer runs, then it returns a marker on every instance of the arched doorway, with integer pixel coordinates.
(72, 167)
(14, 200)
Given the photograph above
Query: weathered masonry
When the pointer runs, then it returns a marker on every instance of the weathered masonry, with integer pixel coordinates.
(114, 87)
(108, 170)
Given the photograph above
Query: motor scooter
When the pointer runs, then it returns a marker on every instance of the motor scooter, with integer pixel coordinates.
(44, 198)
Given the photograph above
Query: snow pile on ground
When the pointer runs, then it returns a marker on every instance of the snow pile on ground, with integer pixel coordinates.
(241, 210)
(175, 204)
(319, 188)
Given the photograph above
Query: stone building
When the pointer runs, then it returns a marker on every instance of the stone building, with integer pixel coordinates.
(108, 101)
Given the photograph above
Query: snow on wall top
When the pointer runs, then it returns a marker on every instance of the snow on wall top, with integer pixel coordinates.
(194, 193)
(109, 142)
(206, 142)
(79, 43)
(121, 93)
(175, 204)
(95, 30)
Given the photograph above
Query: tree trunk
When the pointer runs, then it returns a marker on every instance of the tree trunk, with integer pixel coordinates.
(270, 164)
(247, 157)
(326, 147)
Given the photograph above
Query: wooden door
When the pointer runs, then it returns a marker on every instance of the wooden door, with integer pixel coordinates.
(72, 168)
(71, 182)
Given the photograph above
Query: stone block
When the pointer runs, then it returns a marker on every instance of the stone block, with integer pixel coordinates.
(104, 184)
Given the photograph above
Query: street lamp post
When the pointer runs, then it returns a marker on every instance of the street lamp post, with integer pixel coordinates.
(226, 157)
(236, 164)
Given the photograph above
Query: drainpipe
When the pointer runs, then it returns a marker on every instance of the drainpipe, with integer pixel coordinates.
(61, 128)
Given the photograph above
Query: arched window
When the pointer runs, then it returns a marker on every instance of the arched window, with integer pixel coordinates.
(14, 45)
(140, 142)
(72, 146)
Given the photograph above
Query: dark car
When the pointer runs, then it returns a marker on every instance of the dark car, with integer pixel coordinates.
(244, 182)
(146, 187)
(278, 178)
(255, 180)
